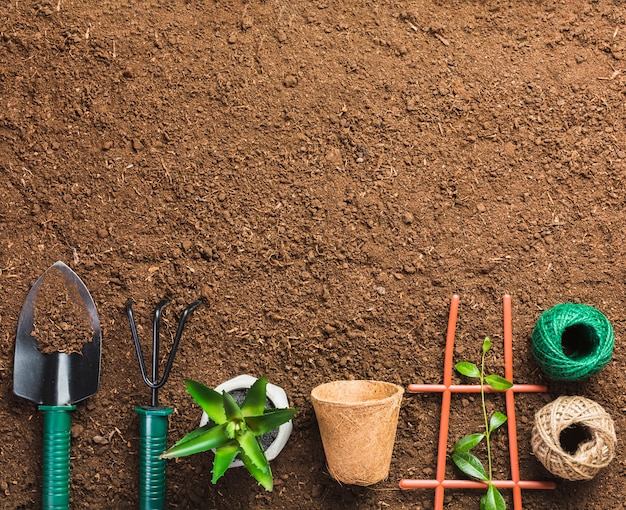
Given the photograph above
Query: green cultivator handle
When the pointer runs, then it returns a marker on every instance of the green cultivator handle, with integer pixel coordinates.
(57, 422)
(153, 442)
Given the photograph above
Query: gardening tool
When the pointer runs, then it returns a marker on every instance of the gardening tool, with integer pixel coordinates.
(57, 380)
(153, 418)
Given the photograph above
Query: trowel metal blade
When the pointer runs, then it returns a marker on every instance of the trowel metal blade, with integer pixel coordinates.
(57, 378)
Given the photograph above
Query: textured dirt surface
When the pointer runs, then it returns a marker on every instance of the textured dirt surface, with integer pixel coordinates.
(325, 175)
(60, 317)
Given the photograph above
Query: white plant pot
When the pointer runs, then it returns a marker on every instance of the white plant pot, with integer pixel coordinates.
(275, 395)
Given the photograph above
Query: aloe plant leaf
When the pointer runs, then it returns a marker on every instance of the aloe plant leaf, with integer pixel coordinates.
(196, 442)
(269, 421)
(231, 408)
(208, 399)
(497, 382)
(496, 421)
(467, 369)
(224, 456)
(486, 345)
(492, 499)
(470, 465)
(195, 433)
(251, 447)
(254, 403)
(468, 442)
(261, 475)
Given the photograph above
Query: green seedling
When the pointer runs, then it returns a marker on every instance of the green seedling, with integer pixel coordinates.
(467, 462)
(233, 430)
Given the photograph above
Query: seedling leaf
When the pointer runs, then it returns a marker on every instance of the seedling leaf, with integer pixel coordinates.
(498, 383)
(468, 442)
(497, 420)
(470, 465)
(492, 499)
(486, 345)
(467, 369)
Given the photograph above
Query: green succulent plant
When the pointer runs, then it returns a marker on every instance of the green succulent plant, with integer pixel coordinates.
(233, 430)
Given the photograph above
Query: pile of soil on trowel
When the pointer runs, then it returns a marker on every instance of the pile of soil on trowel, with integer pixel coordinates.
(61, 322)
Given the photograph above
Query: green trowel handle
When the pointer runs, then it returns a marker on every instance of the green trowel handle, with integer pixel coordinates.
(153, 442)
(57, 422)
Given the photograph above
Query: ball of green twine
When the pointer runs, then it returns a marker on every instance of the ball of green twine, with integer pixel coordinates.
(572, 341)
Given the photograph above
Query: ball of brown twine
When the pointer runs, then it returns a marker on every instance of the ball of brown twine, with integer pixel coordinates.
(592, 454)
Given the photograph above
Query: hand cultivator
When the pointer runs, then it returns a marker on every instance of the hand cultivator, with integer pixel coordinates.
(153, 417)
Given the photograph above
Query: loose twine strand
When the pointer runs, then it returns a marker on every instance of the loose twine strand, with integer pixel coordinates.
(589, 337)
(591, 455)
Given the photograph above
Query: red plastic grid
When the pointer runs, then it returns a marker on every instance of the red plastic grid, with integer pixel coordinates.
(447, 388)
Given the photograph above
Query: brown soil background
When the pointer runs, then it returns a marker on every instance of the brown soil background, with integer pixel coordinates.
(61, 319)
(325, 175)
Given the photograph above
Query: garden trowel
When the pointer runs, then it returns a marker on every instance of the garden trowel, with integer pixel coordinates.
(57, 306)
